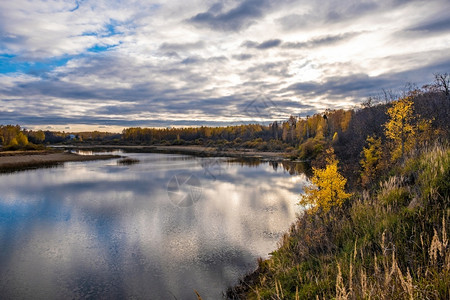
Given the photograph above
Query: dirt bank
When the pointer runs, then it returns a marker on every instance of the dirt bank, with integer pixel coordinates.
(17, 160)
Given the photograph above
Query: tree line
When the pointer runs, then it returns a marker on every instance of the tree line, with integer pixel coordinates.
(13, 137)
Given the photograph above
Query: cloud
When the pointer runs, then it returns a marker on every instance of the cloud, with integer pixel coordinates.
(240, 17)
(350, 9)
(277, 69)
(242, 56)
(48, 29)
(440, 25)
(321, 41)
(182, 46)
(358, 85)
(264, 45)
(334, 12)
(201, 63)
(192, 60)
(361, 86)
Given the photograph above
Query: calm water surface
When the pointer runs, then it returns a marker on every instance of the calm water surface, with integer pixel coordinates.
(154, 230)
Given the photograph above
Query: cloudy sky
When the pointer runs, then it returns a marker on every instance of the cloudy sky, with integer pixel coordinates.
(97, 64)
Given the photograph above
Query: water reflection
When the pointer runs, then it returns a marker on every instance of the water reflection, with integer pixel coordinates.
(92, 152)
(98, 229)
(292, 167)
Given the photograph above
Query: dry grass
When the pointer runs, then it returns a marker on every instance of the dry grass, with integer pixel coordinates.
(388, 281)
(387, 243)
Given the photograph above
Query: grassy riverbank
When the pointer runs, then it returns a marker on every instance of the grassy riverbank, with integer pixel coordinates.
(11, 161)
(389, 242)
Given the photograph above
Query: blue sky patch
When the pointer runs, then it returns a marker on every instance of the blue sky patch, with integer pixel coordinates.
(12, 64)
(101, 48)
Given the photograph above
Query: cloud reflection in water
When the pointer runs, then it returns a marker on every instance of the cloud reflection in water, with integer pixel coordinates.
(103, 230)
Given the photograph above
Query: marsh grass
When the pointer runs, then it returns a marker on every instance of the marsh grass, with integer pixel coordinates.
(33, 165)
(386, 243)
(128, 161)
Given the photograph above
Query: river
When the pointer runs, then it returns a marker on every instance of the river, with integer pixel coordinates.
(157, 229)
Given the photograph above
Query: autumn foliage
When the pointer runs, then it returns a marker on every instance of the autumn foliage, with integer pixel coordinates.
(371, 163)
(400, 128)
(327, 188)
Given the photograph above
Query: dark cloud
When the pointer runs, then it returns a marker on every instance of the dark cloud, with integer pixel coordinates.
(192, 60)
(107, 115)
(14, 118)
(269, 44)
(243, 56)
(330, 12)
(278, 69)
(249, 44)
(264, 45)
(235, 19)
(198, 60)
(321, 41)
(171, 54)
(218, 59)
(182, 46)
(440, 25)
(74, 91)
(358, 85)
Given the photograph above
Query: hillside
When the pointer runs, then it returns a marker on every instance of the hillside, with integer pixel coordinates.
(388, 239)
(388, 243)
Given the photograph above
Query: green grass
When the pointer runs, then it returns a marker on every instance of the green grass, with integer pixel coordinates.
(388, 243)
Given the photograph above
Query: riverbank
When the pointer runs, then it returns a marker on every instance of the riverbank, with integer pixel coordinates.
(190, 150)
(21, 160)
(389, 242)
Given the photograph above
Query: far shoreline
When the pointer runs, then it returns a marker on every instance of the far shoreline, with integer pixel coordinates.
(189, 150)
(12, 161)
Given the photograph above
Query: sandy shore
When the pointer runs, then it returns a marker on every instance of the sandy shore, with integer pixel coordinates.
(30, 159)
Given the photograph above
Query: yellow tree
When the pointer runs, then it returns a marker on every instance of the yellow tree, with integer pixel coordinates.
(13, 143)
(327, 188)
(22, 139)
(371, 161)
(399, 128)
(39, 136)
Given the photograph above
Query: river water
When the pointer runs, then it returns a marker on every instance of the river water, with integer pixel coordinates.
(157, 229)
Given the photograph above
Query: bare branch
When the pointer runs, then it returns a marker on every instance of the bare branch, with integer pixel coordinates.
(442, 81)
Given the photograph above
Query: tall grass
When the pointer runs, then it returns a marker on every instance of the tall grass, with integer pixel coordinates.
(387, 243)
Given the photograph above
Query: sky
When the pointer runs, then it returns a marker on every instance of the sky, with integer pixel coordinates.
(104, 65)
